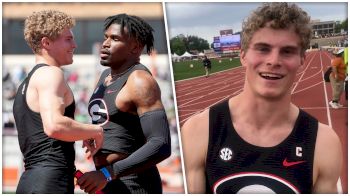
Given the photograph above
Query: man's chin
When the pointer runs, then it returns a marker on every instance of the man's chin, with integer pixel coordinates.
(67, 63)
(104, 63)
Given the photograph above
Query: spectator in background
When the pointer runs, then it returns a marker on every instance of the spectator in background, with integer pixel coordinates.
(19, 74)
(8, 88)
(8, 94)
(207, 66)
(337, 78)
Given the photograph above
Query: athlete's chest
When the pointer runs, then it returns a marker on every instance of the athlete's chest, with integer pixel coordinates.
(251, 169)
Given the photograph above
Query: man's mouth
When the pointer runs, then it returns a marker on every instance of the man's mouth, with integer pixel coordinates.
(104, 54)
(271, 76)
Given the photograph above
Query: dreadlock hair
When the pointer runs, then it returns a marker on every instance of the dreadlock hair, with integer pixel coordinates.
(137, 28)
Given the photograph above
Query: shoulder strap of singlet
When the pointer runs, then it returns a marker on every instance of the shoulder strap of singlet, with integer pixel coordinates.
(219, 119)
(219, 116)
(306, 129)
(103, 76)
(306, 122)
(26, 82)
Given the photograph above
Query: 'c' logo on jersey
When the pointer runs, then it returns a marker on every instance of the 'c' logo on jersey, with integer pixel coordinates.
(226, 154)
(98, 111)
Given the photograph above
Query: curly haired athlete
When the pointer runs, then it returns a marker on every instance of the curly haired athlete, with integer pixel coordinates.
(258, 141)
(44, 108)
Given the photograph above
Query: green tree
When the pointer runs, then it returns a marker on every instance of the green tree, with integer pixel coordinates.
(344, 25)
(197, 43)
(181, 43)
(177, 45)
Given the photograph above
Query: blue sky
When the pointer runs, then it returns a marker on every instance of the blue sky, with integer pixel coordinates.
(207, 19)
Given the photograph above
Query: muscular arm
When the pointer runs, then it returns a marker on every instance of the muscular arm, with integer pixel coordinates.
(194, 136)
(143, 92)
(53, 95)
(327, 161)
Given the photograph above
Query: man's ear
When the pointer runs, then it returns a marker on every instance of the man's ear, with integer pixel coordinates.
(46, 43)
(136, 47)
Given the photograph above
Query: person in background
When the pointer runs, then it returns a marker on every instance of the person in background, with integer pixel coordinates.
(337, 78)
(207, 66)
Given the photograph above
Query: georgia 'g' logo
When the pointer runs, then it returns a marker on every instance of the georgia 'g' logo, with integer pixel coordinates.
(253, 182)
(98, 111)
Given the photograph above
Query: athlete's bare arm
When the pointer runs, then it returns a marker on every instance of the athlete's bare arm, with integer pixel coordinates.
(49, 94)
(327, 160)
(194, 136)
(140, 94)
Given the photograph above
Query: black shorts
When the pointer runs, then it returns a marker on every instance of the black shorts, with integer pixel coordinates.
(46, 180)
(141, 183)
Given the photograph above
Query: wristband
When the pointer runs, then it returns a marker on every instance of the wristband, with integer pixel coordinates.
(106, 174)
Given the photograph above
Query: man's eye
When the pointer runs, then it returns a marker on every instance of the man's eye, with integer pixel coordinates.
(263, 49)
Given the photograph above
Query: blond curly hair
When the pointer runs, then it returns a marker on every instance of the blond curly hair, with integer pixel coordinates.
(46, 23)
(279, 15)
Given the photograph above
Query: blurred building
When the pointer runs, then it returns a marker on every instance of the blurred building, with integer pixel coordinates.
(323, 28)
(89, 22)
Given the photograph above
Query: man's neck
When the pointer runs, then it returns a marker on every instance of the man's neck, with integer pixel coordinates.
(118, 70)
(263, 112)
(262, 122)
(44, 59)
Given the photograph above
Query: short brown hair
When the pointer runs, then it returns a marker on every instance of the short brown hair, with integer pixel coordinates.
(280, 15)
(46, 23)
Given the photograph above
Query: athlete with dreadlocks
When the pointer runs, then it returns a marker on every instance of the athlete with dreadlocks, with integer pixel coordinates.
(127, 103)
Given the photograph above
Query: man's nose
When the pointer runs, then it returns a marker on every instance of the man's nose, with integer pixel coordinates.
(274, 58)
(106, 43)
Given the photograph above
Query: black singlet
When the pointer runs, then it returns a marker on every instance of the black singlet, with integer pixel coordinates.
(235, 166)
(122, 130)
(122, 134)
(49, 163)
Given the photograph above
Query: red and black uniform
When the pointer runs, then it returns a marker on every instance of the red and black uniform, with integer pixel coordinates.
(125, 133)
(235, 166)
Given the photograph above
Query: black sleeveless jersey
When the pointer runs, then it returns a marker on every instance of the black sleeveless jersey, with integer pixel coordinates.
(122, 130)
(37, 148)
(235, 166)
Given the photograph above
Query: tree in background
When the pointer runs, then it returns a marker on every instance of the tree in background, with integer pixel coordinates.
(177, 45)
(180, 44)
(342, 25)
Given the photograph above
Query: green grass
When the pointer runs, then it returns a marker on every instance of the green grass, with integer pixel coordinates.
(182, 70)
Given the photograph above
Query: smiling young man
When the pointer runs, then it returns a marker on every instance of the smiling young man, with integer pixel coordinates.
(127, 103)
(44, 108)
(258, 141)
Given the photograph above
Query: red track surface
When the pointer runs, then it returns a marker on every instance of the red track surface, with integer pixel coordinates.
(310, 93)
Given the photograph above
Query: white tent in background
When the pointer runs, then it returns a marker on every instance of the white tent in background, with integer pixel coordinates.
(201, 54)
(175, 57)
(187, 54)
